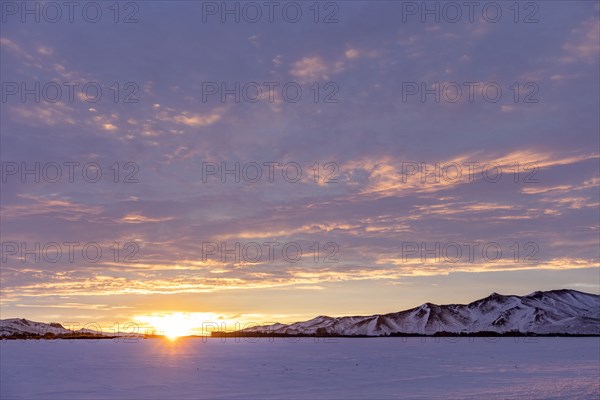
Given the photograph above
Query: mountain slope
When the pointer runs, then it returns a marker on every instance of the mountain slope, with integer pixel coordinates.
(20, 326)
(552, 312)
(12, 326)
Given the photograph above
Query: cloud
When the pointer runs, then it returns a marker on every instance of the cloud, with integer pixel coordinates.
(584, 44)
(44, 114)
(16, 49)
(313, 69)
(354, 53)
(587, 184)
(389, 176)
(386, 268)
(190, 119)
(79, 306)
(106, 122)
(139, 218)
(369, 134)
(277, 60)
(47, 62)
(43, 206)
(196, 119)
(572, 202)
(47, 51)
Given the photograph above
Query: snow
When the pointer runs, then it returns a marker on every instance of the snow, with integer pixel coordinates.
(556, 311)
(11, 326)
(307, 368)
(552, 312)
(16, 325)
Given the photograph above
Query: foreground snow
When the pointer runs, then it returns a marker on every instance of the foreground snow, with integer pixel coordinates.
(412, 368)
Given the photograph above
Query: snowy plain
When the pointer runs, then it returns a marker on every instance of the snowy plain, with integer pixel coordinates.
(307, 368)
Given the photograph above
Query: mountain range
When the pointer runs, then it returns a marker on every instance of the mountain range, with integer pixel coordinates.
(559, 312)
(551, 312)
(24, 328)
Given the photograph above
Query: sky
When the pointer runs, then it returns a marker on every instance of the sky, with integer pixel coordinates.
(234, 163)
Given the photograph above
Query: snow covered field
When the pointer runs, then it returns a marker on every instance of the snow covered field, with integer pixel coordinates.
(413, 368)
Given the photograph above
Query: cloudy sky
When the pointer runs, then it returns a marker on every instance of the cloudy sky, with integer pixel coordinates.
(408, 161)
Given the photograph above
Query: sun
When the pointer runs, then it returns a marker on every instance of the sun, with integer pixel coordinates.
(176, 324)
(171, 326)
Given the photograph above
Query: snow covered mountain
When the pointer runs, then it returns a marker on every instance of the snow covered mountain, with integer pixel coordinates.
(552, 312)
(20, 326)
(12, 326)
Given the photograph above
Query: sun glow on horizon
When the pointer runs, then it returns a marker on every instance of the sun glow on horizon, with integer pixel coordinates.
(174, 325)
